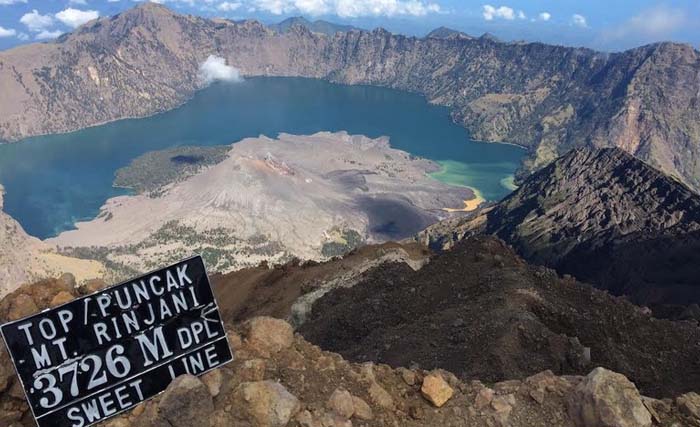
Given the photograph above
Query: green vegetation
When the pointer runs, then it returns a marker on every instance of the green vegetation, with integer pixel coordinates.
(151, 172)
(346, 242)
(175, 241)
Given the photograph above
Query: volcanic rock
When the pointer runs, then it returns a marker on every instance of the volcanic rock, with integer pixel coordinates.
(436, 390)
(608, 399)
(515, 321)
(601, 216)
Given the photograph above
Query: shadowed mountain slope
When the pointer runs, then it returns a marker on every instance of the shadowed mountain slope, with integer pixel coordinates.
(480, 311)
(604, 217)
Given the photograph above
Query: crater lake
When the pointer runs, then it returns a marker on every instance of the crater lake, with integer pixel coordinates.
(53, 181)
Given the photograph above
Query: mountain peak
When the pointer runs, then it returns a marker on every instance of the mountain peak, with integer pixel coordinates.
(490, 37)
(590, 164)
(152, 6)
(447, 33)
(318, 26)
(607, 217)
(604, 217)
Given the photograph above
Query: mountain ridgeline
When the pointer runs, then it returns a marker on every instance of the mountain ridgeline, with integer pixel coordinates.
(547, 98)
(317, 26)
(604, 217)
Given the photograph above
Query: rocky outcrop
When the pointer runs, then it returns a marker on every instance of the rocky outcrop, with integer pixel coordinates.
(604, 217)
(279, 379)
(548, 98)
(480, 311)
(293, 388)
(288, 291)
(608, 399)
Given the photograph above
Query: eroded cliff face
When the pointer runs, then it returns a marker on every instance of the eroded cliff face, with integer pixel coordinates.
(548, 98)
(603, 216)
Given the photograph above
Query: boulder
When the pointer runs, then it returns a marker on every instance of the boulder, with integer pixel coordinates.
(483, 398)
(60, 299)
(185, 403)
(436, 390)
(503, 405)
(21, 306)
(362, 410)
(607, 399)
(409, 377)
(689, 404)
(380, 396)
(341, 403)
(68, 281)
(267, 335)
(212, 380)
(91, 286)
(265, 403)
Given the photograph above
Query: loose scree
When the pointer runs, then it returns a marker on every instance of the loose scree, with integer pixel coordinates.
(101, 354)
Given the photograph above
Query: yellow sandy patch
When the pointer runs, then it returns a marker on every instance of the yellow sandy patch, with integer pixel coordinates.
(469, 205)
(80, 268)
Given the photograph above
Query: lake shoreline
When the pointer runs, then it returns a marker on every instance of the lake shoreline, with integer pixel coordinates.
(52, 179)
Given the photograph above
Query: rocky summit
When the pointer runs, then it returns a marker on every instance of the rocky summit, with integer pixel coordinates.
(547, 98)
(480, 311)
(604, 217)
(279, 379)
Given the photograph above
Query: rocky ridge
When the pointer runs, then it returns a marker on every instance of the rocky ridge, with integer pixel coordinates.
(548, 98)
(278, 379)
(480, 311)
(317, 26)
(288, 291)
(604, 217)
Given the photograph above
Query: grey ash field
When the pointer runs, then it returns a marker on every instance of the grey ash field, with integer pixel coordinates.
(263, 199)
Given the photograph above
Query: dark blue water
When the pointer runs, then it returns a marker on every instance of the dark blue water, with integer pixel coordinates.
(54, 181)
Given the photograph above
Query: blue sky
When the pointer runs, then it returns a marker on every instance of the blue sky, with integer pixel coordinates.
(600, 24)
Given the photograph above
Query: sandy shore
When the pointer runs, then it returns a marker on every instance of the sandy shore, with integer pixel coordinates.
(469, 205)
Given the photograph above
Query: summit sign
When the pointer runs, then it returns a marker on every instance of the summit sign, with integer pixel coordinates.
(99, 355)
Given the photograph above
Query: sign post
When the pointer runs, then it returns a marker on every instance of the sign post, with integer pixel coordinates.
(101, 354)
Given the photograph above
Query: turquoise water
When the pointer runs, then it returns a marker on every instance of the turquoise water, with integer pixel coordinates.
(54, 181)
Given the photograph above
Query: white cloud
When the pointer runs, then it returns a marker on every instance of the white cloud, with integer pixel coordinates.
(23, 36)
(9, 2)
(504, 12)
(7, 32)
(75, 18)
(650, 25)
(215, 69)
(544, 16)
(579, 20)
(347, 8)
(229, 6)
(48, 35)
(35, 21)
(521, 15)
(80, 2)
